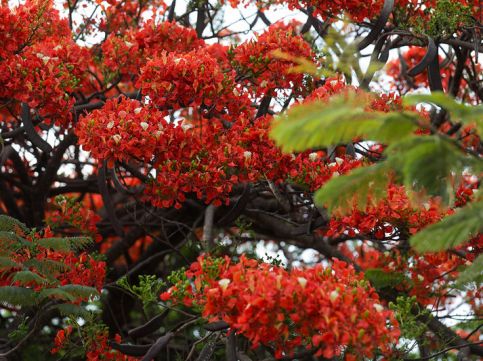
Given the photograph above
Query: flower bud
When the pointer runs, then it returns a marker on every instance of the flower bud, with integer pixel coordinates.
(378, 307)
(224, 282)
(313, 156)
(333, 295)
(302, 281)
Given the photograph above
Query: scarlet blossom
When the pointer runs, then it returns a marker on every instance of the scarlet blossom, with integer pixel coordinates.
(77, 268)
(122, 129)
(327, 309)
(130, 50)
(193, 79)
(45, 68)
(266, 72)
(97, 345)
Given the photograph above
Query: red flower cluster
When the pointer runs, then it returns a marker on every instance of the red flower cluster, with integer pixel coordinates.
(313, 169)
(378, 220)
(97, 345)
(201, 156)
(43, 67)
(128, 52)
(121, 15)
(60, 339)
(327, 309)
(358, 10)
(77, 269)
(411, 57)
(194, 79)
(208, 160)
(121, 130)
(264, 71)
(466, 189)
(391, 219)
(429, 274)
(74, 218)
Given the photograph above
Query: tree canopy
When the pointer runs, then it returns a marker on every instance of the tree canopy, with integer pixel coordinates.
(243, 180)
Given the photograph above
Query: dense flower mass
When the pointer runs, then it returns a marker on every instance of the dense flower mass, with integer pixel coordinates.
(327, 309)
(97, 345)
(127, 53)
(41, 68)
(43, 263)
(200, 157)
(137, 136)
(263, 70)
(397, 69)
(174, 81)
(121, 130)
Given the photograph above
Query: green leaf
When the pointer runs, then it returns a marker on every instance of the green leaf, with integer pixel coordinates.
(47, 267)
(17, 296)
(11, 242)
(26, 277)
(56, 293)
(428, 163)
(9, 224)
(69, 292)
(69, 309)
(339, 192)
(458, 112)
(6, 263)
(66, 243)
(473, 273)
(451, 231)
(9, 239)
(380, 278)
(80, 290)
(320, 124)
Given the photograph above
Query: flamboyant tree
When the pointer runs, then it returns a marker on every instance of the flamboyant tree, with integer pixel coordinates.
(250, 180)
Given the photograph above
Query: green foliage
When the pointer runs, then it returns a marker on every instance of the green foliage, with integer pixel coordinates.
(147, 290)
(429, 165)
(446, 17)
(338, 192)
(68, 293)
(381, 279)
(9, 224)
(69, 309)
(406, 310)
(66, 243)
(79, 290)
(10, 240)
(56, 293)
(47, 267)
(35, 271)
(451, 231)
(17, 296)
(472, 273)
(6, 263)
(28, 277)
(20, 332)
(318, 124)
(458, 112)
